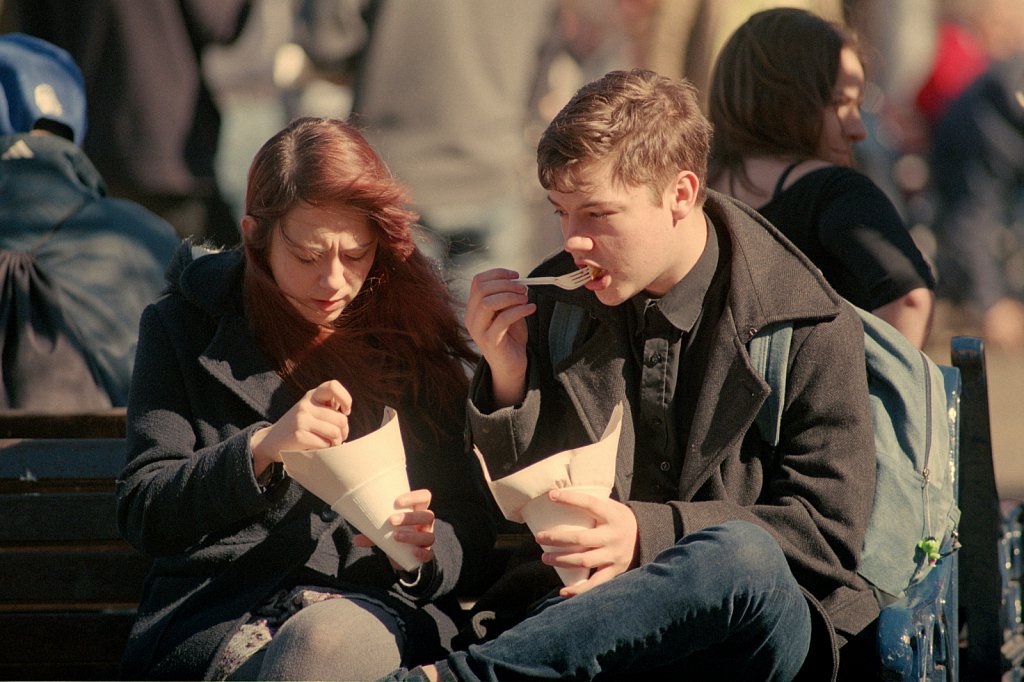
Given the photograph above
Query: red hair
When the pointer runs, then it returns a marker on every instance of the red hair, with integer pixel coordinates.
(398, 343)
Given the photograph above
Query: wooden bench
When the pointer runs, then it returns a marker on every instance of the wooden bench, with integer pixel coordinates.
(992, 530)
(70, 584)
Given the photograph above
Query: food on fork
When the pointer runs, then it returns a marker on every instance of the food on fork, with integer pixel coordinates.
(570, 280)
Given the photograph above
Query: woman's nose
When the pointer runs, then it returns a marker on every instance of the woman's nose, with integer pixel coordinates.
(334, 276)
(855, 129)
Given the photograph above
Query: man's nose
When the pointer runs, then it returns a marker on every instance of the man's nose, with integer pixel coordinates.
(578, 244)
(574, 239)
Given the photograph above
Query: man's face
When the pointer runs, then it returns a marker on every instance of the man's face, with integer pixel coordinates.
(632, 241)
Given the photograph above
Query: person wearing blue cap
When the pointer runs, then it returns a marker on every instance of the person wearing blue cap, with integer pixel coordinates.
(76, 266)
(155, 127)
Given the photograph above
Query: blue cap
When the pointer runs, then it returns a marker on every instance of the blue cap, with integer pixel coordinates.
(39, 80)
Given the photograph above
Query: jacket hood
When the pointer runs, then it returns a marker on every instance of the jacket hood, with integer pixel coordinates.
(44, 170)
(208, 277)
(792, 287)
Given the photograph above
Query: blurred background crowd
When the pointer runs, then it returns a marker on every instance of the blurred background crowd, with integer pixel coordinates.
(454, 93)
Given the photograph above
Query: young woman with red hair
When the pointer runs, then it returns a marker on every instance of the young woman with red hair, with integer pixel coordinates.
(298, 340)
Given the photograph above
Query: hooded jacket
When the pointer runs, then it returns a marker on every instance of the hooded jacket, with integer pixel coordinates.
(78, 268)
(223, 544)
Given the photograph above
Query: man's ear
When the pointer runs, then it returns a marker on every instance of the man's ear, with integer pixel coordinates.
(248, 227)
(683, 193)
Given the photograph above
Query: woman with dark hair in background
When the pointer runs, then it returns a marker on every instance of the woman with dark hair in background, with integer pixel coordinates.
(298, 340)
(785, 104)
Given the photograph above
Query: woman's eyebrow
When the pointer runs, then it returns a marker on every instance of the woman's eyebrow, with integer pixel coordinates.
(361, 246)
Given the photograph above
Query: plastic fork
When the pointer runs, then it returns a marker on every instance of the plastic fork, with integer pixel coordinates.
(572, 280)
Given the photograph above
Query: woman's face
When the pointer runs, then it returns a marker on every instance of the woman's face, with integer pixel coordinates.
(843, 126)
(320, 258)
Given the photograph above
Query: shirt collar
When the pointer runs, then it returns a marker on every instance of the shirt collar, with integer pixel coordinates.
(682, 304)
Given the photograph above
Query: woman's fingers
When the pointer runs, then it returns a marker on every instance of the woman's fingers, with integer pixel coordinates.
(321, 426)
(333, 395)
(415, 526)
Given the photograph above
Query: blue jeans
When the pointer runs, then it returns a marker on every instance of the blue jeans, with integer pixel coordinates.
(720, 604)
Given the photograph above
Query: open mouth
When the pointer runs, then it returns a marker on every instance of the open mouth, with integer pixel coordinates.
(596, 273)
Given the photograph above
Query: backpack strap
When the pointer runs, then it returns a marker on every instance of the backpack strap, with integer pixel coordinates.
(565, 323)
(769, 353)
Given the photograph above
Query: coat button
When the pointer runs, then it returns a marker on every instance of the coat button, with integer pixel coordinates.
(328, 515)
(653, 359)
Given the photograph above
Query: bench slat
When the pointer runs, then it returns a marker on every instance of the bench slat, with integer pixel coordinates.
(45, 458)
(57, 517)
(72, 577)
(61, 646)
(16, 423)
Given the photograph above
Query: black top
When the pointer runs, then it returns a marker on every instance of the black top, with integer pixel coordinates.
(667, 360)
(850, 229)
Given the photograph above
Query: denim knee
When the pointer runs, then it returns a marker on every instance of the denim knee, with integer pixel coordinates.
(738, 550)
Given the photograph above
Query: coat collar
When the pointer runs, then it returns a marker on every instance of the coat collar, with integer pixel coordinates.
(209, 278)
(212, 280)
(770, 281)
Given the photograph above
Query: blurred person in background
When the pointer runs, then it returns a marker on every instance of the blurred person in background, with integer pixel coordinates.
(155, 125)
(920, 55)
(785, 104)
(897, 42)
(977, 162)
(682, 37)
(441, 89)
(971, 34)
(77, 266)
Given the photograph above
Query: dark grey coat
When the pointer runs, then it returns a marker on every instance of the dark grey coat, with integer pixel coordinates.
(188, 495)
(813, 494)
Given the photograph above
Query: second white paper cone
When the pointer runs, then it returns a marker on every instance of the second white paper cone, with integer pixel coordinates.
(368, 508)
(541, 513)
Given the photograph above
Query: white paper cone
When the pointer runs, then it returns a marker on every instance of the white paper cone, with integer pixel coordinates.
(369, 506)
(331, 472)
(584, 466)
(541, 513)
